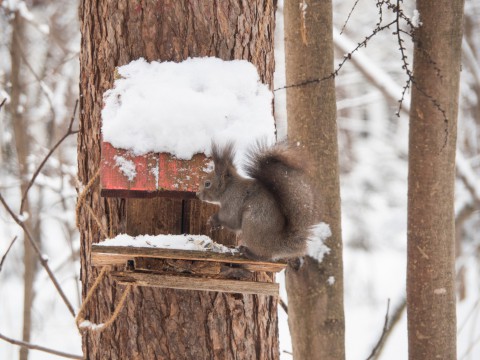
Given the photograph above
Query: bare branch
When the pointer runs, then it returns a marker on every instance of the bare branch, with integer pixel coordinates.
(6, 253)
(402, 49)
(3, 102)
(39, 348)
(473, 344)
(469, 177)
(346, 57)
(283, 305)
(40, 81)
(469, 316)
(348, 17)
(394, 320)
(384, 331)
(399, 15)
(372, 71)
(52, 150)
(42, 259)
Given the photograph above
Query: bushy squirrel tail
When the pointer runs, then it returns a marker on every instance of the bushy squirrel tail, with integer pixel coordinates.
(283, 170)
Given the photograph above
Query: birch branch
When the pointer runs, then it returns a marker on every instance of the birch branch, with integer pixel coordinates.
(42, 259)
(39, 348)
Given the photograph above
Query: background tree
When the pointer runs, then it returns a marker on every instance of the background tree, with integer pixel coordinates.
(38, 84)
(432, 143)
(22, 147)
(159, 323)
(315, 289)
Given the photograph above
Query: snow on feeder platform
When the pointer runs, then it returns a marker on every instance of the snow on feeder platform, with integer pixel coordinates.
(188, 262)
(159, 120)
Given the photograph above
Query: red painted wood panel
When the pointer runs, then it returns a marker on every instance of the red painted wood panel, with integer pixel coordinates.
(156, 174)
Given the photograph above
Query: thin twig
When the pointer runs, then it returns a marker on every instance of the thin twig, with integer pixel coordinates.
(283, 305)
(42, 259)
(348, 17)
(472, 345)
(399, 14)
(41, 83)
(6, 253)
(3, 102)
(344, 60)
(39, 348)
(467, 318)
(394, 320)
(384, 331)
(405, 67)
(52, 150)
(395, 8)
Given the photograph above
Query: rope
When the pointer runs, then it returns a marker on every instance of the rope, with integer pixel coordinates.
(84, 324)
(97, 220)
(81, 322)
(82, 201)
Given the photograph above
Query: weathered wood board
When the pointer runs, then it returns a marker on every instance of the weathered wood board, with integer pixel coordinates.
(195, 283)
(187, 269)
(157, 174)
(117, 255)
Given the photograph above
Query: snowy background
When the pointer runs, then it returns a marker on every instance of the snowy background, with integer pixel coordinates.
(373, 156)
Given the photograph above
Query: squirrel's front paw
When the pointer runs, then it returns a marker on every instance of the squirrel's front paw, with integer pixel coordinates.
(246, 252)
(214, 222)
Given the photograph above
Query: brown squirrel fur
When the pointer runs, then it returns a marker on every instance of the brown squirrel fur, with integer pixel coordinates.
(273, 210)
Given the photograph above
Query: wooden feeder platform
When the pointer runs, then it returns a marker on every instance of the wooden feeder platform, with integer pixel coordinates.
(187, 269)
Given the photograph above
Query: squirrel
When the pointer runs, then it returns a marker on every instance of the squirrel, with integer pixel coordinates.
(273, 211)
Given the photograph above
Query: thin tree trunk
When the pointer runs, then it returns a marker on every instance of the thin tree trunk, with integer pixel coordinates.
(22, 141)
(431, 228)
(315, 290)
(158, 323)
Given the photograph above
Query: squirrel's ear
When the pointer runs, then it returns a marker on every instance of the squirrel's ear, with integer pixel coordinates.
(215, 151)
(223, 158)
(228, 153)
(217, 158)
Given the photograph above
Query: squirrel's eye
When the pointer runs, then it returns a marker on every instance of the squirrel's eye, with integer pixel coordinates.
(208, 183)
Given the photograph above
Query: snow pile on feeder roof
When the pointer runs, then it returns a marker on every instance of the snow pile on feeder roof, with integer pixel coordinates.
(178, 242)
(180, 107)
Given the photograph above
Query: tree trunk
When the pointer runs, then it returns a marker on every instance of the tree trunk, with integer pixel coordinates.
(315, 308)
(431, 229)
(22, 141)
(165, 323)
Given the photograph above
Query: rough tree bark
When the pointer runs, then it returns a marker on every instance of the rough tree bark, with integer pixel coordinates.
(431, 229)
(315, 308)
(156, 323)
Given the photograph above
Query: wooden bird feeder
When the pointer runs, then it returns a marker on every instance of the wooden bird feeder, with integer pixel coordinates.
(163, 175)
(187, 269)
